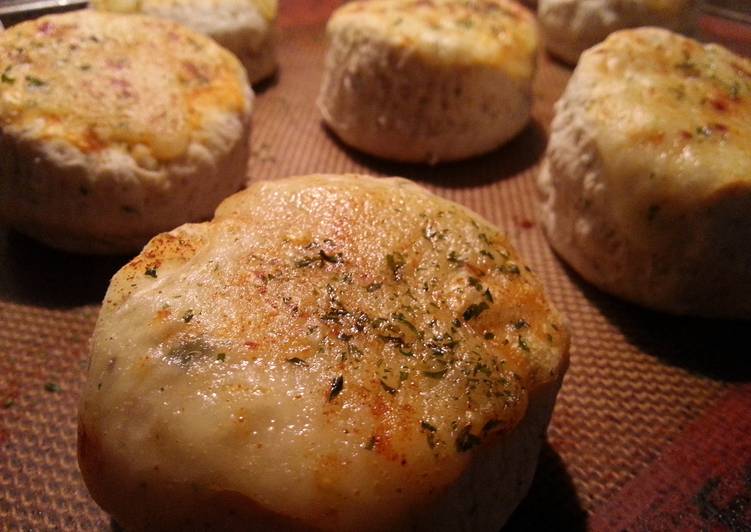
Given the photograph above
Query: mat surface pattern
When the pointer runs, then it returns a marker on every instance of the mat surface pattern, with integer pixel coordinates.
(638, 381)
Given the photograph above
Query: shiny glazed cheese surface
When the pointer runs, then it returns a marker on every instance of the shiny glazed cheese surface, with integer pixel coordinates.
(497, 33)
(96, 80)
(327, 347)
(672, 119)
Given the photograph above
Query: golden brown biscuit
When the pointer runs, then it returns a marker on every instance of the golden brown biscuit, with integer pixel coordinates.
(330, 352)
(114, 128)
(428, 81)
(646, 184)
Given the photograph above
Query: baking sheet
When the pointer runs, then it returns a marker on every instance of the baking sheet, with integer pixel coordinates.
(638, 380)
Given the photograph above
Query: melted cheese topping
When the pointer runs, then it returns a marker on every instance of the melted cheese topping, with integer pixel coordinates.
(324, 346)
(95, 80)
(498, 33)
(672, 119)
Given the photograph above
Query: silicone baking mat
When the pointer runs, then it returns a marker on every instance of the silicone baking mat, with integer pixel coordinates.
(652, 426)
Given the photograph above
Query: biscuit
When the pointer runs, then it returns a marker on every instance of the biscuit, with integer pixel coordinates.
(646, 182)
(114, 128)
(330, 352)
(428, 81)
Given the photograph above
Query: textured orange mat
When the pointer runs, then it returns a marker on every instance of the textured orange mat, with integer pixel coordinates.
(637, 379)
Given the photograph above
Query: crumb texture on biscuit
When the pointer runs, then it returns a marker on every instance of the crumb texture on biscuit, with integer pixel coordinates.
(334, 349)
(94, 80)
(647, 174)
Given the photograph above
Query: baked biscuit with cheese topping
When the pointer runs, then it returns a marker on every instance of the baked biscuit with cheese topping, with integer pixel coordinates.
(428, 80)
(114, 128)
(329, 353)
(244, 27)
(646, 183)
(571, 26)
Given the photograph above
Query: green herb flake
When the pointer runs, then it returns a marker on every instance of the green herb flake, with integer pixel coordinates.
(221, 357)
(188, 352)
(151, 272)
(395, 261)
(7, 403)
(465, 440)
(6, 77)
(523, 345)
(370, 444)
(188, 315)
(435, 373)
(521, 324)
(325, 257)
(487, 295)
(510, 268)
(307, 261)
(390, 389)
(52, 387)
(455, 259)
(481, 368)
(295, 361)
(475, 283)
(337, 385)
(474, 310)
(427, 426)
(406, 353)
(488, 335)
(391, 340)
(401, 319)
(334, 315)
(35, 82)
(372, 287)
